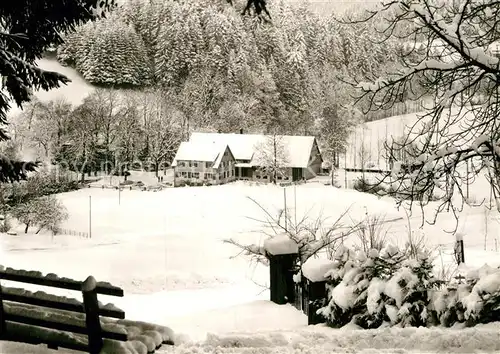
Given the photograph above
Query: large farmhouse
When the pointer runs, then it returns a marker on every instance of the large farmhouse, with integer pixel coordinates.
(215, 158)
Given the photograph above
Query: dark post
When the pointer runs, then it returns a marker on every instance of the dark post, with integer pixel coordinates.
(459, 249)
(315, 294)
(2, 317)
(281, 278)
(298, 295)
(92, 315)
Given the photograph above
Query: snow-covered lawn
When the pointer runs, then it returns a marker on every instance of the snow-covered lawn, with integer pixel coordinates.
(172, 239)
(166, 250)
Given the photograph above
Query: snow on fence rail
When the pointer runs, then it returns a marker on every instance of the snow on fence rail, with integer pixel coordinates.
(58, 321)
(70, 232)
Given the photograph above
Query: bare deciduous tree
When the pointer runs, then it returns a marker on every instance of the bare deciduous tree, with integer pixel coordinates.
(272, 157)
(448, 56)
(313, 235)
(162, 127)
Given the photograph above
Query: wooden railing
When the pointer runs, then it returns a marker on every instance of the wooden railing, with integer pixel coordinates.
(40, 314)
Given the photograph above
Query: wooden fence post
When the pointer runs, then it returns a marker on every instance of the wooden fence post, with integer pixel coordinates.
(282, 253)
(2, 317)
(459, 248)
(281, 278)
(314, 293)
(314, 290)
(92, 315)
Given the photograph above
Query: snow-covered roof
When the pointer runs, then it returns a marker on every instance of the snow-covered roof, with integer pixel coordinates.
(244, 146)
(200, 151)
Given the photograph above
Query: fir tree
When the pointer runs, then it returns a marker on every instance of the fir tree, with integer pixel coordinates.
(410, 288)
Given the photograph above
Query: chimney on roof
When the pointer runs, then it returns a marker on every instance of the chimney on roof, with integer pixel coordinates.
(241, 130)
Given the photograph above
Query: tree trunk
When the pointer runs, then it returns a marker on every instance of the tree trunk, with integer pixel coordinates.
(38, 231)
(27, 227)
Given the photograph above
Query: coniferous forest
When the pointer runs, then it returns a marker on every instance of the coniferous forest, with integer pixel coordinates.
(166, 68)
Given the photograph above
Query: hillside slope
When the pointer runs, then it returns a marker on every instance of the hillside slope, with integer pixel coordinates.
(74, 92)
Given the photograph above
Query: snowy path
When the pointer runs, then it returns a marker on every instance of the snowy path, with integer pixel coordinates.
(320, 339)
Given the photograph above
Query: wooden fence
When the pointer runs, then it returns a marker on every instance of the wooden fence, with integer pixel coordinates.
(69, 232)
(29, 316)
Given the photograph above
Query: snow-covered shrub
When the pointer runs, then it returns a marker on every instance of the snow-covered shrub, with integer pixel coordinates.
(410, 289)
(477, 300)
(356, 288)
(379, 268)
(482, 304)
(386, 287)
(337, 311)
(445, 307)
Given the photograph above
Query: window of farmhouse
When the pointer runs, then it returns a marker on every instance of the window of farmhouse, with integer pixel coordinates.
(196, 175)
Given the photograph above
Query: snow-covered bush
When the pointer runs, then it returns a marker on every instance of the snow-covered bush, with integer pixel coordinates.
(381, 267)
(338, 313)
(475, 301)
(356, 287)
(483, 303)
(445, 307)
(410, 289)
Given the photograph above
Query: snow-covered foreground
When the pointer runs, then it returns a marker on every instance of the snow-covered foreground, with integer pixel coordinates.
(321, 340)
(166, 250)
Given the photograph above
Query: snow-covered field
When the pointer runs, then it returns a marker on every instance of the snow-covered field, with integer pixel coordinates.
(166, 250)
